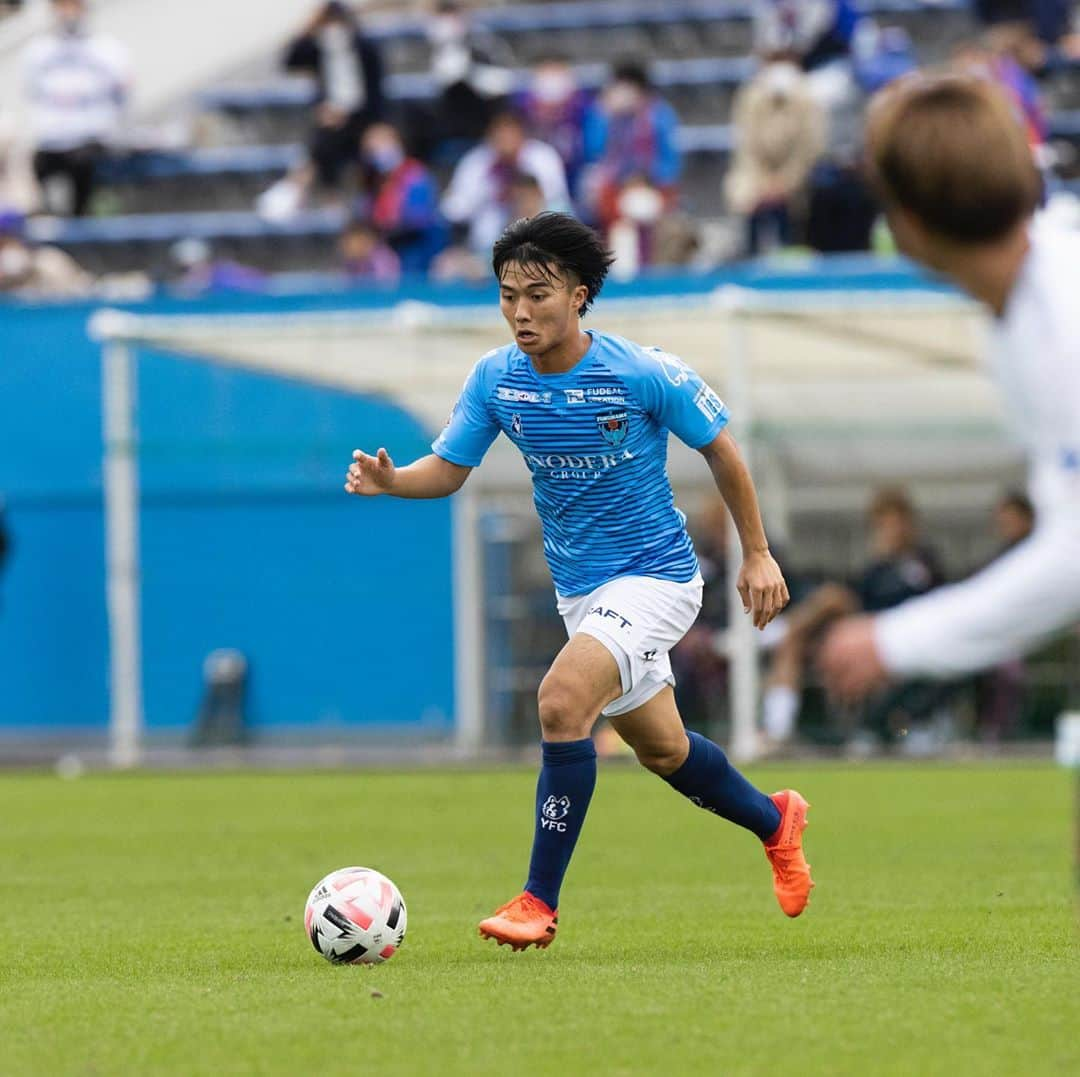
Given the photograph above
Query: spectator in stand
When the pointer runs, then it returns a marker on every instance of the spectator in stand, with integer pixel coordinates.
(631, 232)
(820, 33)
(470, 72)
(779, 137)
(882, 54)
(461, 264)
(77, 85)
(202, 273)
(1001, 66)
(402, 199)
(348, 73)
(1029, 25)
(36, 272)
(629, 135)
(555, 106)
(365, 256)
(999, 692)
(479, 196)
(901, 567)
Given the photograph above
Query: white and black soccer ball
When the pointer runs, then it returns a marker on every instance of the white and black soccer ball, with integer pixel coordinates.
(355, 916)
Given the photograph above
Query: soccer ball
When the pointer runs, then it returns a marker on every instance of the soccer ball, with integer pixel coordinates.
(355, 916)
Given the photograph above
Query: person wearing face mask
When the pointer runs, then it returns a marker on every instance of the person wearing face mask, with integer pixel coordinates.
(402, 199)
(554, 106)
(780, 134)
(638, 208)
(630, 131)
(36, 272)
(348, 72)
(469, 70)
(77, 84)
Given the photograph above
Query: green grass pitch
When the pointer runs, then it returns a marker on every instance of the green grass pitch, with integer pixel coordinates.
(153, 924)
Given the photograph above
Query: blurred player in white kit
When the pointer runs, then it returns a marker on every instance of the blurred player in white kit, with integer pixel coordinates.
(952, 167)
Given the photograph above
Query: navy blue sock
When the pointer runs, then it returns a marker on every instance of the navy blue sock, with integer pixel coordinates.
(563, 791)
(712, 783)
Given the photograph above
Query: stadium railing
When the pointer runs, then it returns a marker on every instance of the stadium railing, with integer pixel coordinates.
(601, 13)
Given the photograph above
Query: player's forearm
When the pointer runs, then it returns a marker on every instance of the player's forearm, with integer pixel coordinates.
(430, 476)
(1007, 609)
(737, 489)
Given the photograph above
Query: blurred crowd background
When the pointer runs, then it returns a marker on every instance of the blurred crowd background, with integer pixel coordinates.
(290, 147)
(377, 141)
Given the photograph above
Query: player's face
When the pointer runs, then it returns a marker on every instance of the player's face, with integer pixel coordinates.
(541, 310)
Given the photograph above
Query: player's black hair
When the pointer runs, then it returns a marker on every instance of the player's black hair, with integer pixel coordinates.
(555, 244)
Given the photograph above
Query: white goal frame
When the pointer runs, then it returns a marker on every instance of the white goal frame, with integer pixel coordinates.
(732, 309)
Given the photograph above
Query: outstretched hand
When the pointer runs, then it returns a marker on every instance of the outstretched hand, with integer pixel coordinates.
(761, 587)
(370, 475)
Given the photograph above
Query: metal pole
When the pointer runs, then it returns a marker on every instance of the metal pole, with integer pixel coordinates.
(742, 656)
(468, 598)
(122, 554)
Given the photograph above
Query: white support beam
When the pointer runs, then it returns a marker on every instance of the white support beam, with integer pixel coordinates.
(742, 657)
(470, 702)
(122, 554)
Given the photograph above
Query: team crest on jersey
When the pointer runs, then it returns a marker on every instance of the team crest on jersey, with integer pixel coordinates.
(614, 426)
(515, 424)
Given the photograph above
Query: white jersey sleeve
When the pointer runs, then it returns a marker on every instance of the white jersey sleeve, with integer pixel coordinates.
(1007, 609)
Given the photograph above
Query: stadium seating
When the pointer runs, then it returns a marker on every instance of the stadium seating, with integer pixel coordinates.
(698, 52)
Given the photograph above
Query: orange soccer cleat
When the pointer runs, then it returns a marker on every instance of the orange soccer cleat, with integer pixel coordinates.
(791, 872)
(521, 922)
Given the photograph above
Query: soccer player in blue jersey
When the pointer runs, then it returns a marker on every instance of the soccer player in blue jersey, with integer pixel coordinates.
(590, 414)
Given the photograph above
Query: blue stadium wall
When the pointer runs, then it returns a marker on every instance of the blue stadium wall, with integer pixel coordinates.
(248, 541)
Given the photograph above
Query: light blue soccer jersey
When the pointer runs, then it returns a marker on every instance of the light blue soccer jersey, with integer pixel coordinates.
(595, 440)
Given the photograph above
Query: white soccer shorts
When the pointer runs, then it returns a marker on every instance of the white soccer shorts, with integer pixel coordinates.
(638, 619)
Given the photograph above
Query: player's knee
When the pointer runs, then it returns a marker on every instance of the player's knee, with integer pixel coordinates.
(563, 714)
(662, 759)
